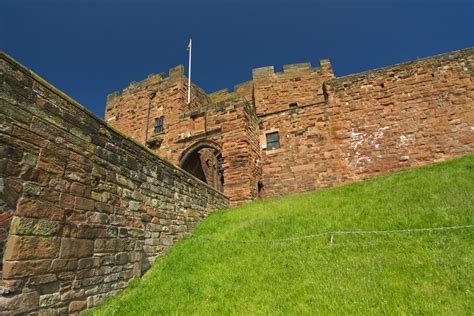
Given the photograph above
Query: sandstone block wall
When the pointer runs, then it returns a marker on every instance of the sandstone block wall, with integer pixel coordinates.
(231, 125)
(372, 123)
(332, 130)
(297, 85)
(83, 209)
(226, 124)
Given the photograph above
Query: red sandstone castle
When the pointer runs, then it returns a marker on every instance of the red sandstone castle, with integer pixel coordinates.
(304, 128)
(84, 209)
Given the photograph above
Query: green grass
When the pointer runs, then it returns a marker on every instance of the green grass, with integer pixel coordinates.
(413, 273)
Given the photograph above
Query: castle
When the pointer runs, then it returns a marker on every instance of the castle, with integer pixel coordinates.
(86, 205)
(303, 129)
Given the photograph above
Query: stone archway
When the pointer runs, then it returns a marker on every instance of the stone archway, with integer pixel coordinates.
(204, 161)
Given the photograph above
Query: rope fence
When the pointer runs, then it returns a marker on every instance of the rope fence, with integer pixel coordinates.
(332, 234)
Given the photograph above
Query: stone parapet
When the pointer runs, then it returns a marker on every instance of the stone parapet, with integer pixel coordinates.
(84, 208)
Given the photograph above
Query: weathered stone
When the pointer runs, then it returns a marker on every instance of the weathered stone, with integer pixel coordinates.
(66, 201)
(21, 303)
(97, 218)
(123, 232)
(100, 196)
(121, 258)
(17, 269)
(32, 189)
(49, 299)
(59, 265)
(90, 231)
(78, 189)
(84, 204)
(76, 248)
(52, 160)
(41, 279)
(37, 209)
(77, 306)
(31, 226)
(8, 287)
(111, 232)
(107, 260)
(31, 247)
(87, 263)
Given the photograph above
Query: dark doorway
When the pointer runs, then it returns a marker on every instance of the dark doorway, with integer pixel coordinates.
(206, 164)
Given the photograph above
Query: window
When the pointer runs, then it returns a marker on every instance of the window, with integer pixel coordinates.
(293, 105)
(159, 125)
(220, 167)
(273, 141)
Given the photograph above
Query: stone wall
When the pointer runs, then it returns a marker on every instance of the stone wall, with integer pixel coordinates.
(227, 124)
(231, 125)
(83, 208)
(297, 85)
(305, 144)
(332, 130)
(372, 123)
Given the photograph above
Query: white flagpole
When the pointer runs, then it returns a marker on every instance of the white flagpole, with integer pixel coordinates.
(190, 47)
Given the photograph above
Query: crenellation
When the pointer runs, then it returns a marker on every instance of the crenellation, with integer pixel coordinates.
(243, 87)
(113, 95)
(263, 71)
(176, 71)
(297, 69)
(219, 95)
(326, 68)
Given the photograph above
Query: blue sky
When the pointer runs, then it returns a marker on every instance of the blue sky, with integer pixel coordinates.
(91, 48)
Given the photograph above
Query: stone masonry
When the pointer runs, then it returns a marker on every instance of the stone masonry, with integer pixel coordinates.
(331, 130)
(86, 205)
(83, 208)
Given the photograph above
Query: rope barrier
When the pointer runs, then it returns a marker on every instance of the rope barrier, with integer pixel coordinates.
(332, 234)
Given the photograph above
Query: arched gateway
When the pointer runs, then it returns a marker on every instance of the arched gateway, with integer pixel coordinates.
(204, 161)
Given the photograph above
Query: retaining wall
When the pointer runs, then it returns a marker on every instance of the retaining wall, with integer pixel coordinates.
(83, 208)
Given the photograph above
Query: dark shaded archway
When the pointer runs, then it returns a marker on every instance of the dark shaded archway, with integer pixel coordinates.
(204, 161)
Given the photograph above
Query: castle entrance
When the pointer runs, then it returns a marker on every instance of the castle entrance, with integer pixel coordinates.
(204, 161)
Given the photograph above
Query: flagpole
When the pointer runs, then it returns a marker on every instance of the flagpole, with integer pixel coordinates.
(189, 71)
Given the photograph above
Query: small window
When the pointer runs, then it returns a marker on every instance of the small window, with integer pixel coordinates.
(273, 141)
(159, 125)
(293, 105)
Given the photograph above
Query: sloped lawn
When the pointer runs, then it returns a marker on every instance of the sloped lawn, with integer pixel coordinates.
(413, 273)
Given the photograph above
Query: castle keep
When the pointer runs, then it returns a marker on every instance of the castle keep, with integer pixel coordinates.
(87, 204)
(303, 129)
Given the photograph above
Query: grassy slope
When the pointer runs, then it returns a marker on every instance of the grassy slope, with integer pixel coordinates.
(396, 273)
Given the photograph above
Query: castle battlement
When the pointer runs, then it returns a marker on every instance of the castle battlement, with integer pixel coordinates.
(303, 128)
(294, 70)
(174, 73)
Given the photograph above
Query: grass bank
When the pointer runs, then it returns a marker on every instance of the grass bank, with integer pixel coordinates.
(430, 272)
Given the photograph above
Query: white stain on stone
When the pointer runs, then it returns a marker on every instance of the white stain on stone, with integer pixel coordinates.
(406, 141)
(378, 136)
(360, 140)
